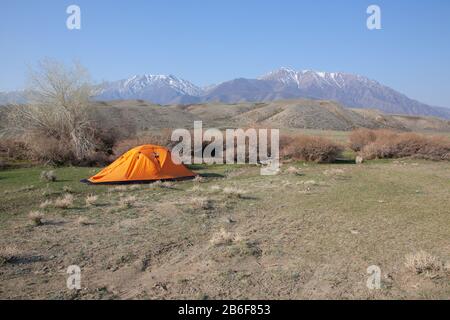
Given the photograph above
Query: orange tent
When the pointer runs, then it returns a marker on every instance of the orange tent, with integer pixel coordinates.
(142, 164)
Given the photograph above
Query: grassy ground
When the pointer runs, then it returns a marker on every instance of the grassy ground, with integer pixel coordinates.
(307, 233)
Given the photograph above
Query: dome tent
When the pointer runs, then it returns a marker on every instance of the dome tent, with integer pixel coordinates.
(145, 163)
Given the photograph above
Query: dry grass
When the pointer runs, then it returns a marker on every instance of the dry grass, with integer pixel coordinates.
(36, 217)
(83, 221)
(127, 202)
(201, 203)
(46, 204)
(67, 189)
(134, 187)
(167, 185)
(196, 188)
(422, 263)
(293, 170)
(198, 179)
(48, 176)
(309, 148)
(224, 237)
(119, 189)
(91, 200)
(233, 192)
(64, 202)
(8, 254)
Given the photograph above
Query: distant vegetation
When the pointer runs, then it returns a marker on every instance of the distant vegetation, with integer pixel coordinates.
(60, 125)
(378, 144)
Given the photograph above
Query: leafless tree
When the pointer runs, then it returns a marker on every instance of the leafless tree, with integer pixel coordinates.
(57, 107)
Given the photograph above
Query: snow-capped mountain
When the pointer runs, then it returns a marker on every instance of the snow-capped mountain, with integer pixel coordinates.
(161, 89)
(348, 89)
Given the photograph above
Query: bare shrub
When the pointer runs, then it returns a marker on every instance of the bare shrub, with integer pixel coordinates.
(306, 148)
(359, 138)
(390, 144)
(12, 149)
(91, 200)
(64, 202)
(36, 217)
(161, 138)
(55, 124)
(48, 176)
(422, 262)
(127, 202)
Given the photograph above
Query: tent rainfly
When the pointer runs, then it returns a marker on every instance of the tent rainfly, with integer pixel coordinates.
(145, 163)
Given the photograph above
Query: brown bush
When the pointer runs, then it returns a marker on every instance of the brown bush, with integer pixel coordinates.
(359, 138)
(13, 149)
(391, 144)
(161, 138)
(309, 148)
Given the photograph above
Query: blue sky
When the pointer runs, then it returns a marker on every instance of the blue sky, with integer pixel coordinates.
(209, 41)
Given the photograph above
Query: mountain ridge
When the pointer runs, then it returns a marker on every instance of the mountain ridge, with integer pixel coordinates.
(350, 90)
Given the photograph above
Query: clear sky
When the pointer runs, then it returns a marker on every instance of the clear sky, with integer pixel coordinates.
(209, 41)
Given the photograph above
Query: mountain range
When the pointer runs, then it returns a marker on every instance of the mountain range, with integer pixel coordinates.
(351, 90)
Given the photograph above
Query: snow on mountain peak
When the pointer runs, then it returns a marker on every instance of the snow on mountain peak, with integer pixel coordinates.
(140, 82)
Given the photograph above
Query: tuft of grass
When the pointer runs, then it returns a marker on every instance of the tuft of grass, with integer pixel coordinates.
(45, 204)
(48, 176)
(224, 237)
(36, 217)
(127, 202)
(83, 221)
(91, 200)
(167, 185)
(118, 189)
(198, 179)
(196, 188)
(134, 187)
(64, 202)
(8, 254)
(293, 170)
(67, 189)
(422, 263)
(215, 188)
(201, 203)
(233, 192)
